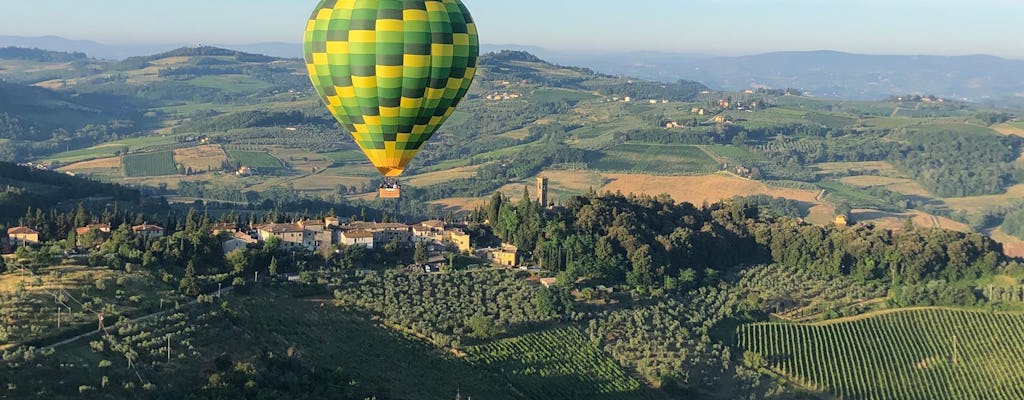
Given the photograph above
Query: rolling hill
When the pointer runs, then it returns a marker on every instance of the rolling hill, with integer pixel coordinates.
(208, 112)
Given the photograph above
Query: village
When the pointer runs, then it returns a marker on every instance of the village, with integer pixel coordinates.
(437, 237)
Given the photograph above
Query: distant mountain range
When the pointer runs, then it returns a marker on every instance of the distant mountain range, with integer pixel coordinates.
(827, 74)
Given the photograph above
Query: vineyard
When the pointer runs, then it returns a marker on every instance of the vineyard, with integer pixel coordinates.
(149, 164)
(558, 364)
(906, 354)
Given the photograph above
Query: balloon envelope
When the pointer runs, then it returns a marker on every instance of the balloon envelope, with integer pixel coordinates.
(391, 71)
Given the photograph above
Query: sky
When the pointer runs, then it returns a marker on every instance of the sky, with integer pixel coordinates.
(719, 27)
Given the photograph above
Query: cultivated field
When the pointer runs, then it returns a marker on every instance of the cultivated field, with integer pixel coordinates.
(202, 158)
(255, 159)
(433, 178)
(583, 370)
(905, 186)
(655, 158)
(901, 354)
(1012, 246)
(104, 168)
(1010, 128)
(896, 221)
(882, 167)
(160, 163)
(978, 203)
(698, 189)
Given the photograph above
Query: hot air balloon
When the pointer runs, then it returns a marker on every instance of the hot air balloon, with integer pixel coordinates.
(391, 72)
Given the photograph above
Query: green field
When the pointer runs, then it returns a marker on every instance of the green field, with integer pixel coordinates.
(160, 163)
(237, 84)
(558, 364)
(555, 95)
(903, 354)
(256, 159)
(111, 149)
(735, 154)
(655, 158)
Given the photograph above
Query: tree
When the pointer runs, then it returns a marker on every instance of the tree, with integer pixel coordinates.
(553, 300)
(189, 284)
(420, 256)
(273, 267)
(72, 241)
(481, 327)
(3, 265)
(238, 260)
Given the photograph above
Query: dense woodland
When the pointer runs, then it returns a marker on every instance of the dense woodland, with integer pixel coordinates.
(655, 244)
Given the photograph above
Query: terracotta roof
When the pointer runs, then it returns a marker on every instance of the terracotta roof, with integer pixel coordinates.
(282, 228)
(21, 230)
(244, 237)
(105, 228)
(357, 234)
(147, 228)
(433, 223)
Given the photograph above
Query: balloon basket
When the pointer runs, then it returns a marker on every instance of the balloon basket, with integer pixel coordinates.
(390, 190)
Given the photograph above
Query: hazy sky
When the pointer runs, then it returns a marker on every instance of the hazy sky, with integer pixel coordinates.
(704, 26)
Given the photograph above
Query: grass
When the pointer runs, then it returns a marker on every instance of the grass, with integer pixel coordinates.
(392, 365)
(920, 353)
(557, 95)
(201, 158)
(858, 198)
(255, 159)
(160, 163)
(655, 158)
(235, 84)
(735, 154)
(558, 364)
(111, 149)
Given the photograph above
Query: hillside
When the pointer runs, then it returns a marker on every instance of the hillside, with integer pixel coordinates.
(827, 74)
(24, 188)
(208, 112)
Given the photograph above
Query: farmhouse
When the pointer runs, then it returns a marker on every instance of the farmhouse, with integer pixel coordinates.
(507, 255)
(223, 227)
(21, 236)
(148, 231)
(237, 241)
(357, 237)
(102, 228)
(291, 235)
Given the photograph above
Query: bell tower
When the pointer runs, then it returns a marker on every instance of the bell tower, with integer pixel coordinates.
(542, 190)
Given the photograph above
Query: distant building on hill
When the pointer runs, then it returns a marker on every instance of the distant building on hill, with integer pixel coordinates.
(239, 240)
(148, 231)
(21, 236)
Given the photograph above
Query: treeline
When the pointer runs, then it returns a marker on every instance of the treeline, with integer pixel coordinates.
(644, 90)
(492, 176)
(22, 188)
(254, 119)
(951, 164)
(22, 53)
(651, 242)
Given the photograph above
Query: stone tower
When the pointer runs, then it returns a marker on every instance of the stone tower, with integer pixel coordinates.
(542, 190)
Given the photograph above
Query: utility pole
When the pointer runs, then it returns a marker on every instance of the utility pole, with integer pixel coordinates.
(257, 278)
(58, 317)
(168, 348)
(218, 289)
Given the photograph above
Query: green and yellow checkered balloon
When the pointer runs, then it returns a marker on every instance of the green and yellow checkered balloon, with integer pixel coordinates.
(391, 71)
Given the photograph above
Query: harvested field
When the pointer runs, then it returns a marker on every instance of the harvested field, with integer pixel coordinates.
(698, 189)
(202, 158)
(433, 178)
(1012, 246)
(978, 203)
